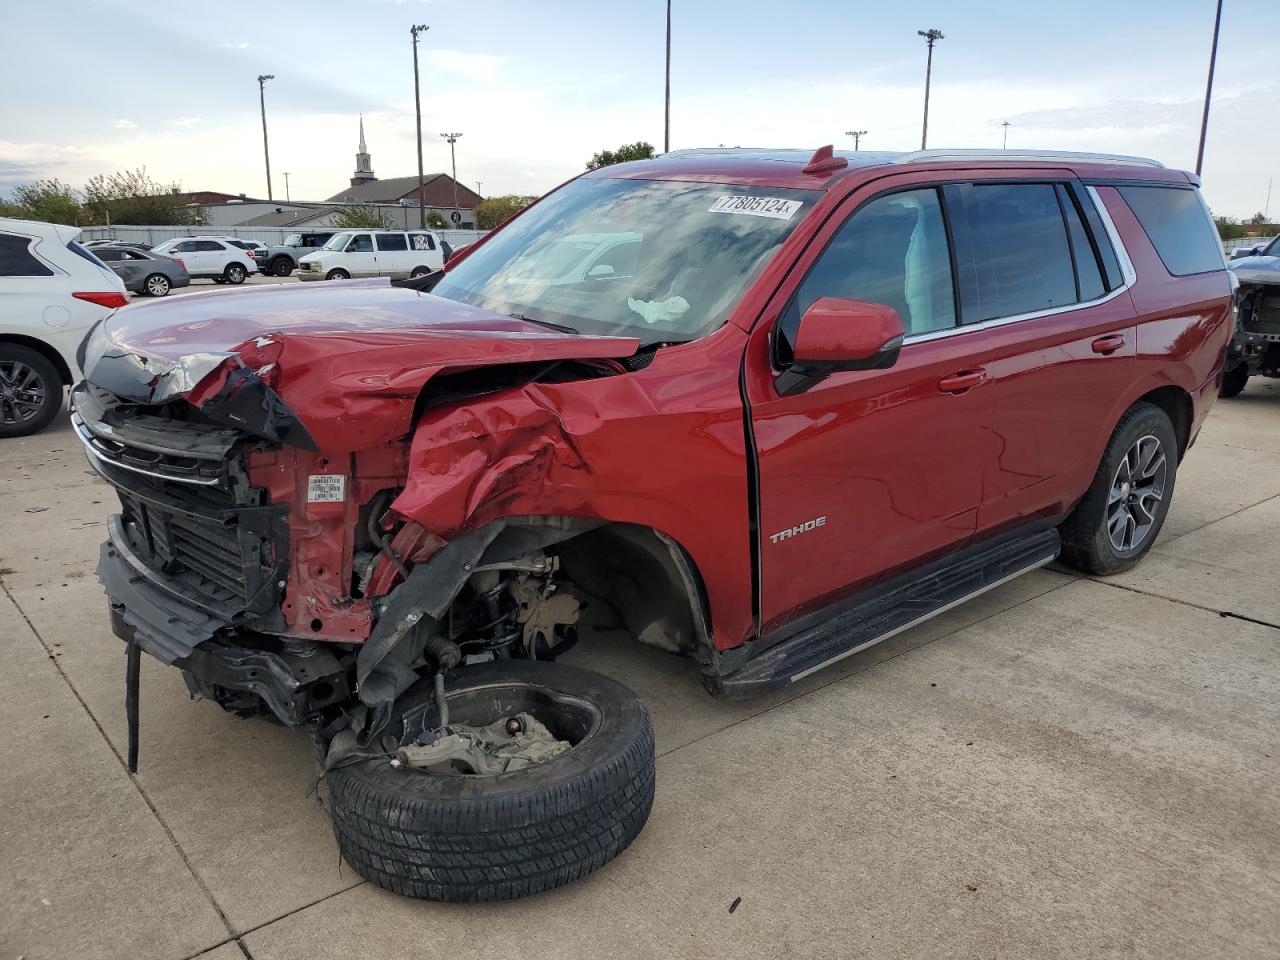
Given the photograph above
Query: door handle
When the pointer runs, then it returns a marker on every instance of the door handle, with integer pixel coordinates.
(962, 381)
(1106, 345)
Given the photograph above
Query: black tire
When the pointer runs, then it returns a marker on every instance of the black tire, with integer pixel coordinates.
(480, 838)
(235, 274)
(281, 266)
(21, 414)
(417, 272)
(337, 273)
(156, 285)
(1087, 538)
(1234, 380)
(218, 279)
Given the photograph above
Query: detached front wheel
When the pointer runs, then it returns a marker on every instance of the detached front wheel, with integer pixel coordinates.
(544, 774)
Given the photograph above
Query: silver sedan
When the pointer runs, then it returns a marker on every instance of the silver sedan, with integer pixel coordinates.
(142, 271)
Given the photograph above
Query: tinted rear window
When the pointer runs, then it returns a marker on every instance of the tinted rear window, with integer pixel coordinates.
(1024, 261)
(392, 241)
(16, 259)
(1178, 226)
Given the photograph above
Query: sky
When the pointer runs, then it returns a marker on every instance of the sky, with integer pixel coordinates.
(537, 86)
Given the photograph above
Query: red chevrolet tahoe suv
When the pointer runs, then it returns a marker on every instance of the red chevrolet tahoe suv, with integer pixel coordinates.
(758, 408)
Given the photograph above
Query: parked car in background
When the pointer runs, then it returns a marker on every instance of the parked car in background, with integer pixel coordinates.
(1246, 248)
(837, 396)
(220, 259)
(52, 290)
(374, 253)
(280, 260)
(144, 271)
(1255, 347)
(93, 244)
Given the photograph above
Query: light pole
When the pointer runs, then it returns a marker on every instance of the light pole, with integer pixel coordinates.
(931, 37)
(666, 117)
(1208, 89)
(1005, 124)
(857, 137)
(479, 184)
(286, 186)
(262, 102)
(416, 29)
(451, 139)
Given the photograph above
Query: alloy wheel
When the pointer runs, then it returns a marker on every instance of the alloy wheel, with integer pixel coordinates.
(157, 285)
(23, 392)
(1137, 491)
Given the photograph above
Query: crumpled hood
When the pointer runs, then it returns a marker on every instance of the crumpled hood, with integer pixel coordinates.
(1256, 269)
(335, 368)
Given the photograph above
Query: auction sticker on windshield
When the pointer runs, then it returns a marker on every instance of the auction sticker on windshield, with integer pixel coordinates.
(773, 207)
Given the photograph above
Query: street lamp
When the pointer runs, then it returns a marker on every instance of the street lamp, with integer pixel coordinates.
(451, 139)
(1208, 89)
(416, 29)
(857, 137)
(1005, 124)
(931, 37)
(666, 117)
(286, 186)
(262, 102)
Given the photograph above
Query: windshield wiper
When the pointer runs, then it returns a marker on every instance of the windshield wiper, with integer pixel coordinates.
(543, 323)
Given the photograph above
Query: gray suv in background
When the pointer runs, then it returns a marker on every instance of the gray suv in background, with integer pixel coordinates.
(281, 259)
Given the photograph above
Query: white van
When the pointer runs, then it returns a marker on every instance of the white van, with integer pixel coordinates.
(374, 253)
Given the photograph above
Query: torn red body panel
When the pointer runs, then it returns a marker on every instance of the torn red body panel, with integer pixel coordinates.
(350, 370)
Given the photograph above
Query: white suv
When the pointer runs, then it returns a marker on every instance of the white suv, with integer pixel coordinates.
(52, 290)
(220, 259)
(374, 253)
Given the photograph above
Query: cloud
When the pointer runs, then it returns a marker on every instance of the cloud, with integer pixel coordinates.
(187, 122)
(473, 66)
(123, 124)
(242, 45)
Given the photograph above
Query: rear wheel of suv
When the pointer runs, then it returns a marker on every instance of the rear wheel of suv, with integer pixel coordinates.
(157, 285)
(235, 274)
(1234, 380)
(1118, 520)
(440, 832)
(30, 391)
(282, 266)
(337, 273)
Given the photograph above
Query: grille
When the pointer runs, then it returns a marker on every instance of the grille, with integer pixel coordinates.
(1266, 316)
(203, 552)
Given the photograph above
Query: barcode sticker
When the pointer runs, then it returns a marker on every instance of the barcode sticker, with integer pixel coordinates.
(326, 488)
(775, 208)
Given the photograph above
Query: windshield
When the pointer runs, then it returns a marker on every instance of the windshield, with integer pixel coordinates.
(337, 241)
(660, 260)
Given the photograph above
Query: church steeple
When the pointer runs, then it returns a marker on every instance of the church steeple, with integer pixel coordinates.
(364, 169)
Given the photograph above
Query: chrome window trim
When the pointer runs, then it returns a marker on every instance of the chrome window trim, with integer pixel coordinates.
(1128, 274)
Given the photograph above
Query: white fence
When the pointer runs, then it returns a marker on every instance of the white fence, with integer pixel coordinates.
(1242, 243)
(159, 234)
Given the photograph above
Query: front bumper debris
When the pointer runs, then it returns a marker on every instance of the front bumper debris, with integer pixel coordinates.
(175, 630)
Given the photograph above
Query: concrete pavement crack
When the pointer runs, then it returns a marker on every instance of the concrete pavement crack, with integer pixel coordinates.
(168, 832)
(870, 666)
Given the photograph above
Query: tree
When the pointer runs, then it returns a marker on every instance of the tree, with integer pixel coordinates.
(49, 200)
(1229, 228)
(436, 222)
(131, 196)
(495, 210)
(640, 150)
(362, 218)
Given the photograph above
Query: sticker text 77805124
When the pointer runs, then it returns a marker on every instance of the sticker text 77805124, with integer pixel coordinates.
(775, 208)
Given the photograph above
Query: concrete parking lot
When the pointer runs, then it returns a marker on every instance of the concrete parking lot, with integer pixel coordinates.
(1065, 768)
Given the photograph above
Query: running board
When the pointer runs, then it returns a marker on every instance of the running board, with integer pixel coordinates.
(887, 612)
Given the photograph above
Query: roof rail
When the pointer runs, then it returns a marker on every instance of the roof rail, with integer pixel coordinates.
(1065, 156)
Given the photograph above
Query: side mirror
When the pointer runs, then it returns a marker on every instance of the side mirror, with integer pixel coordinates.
(600, 270)
(840, 334)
